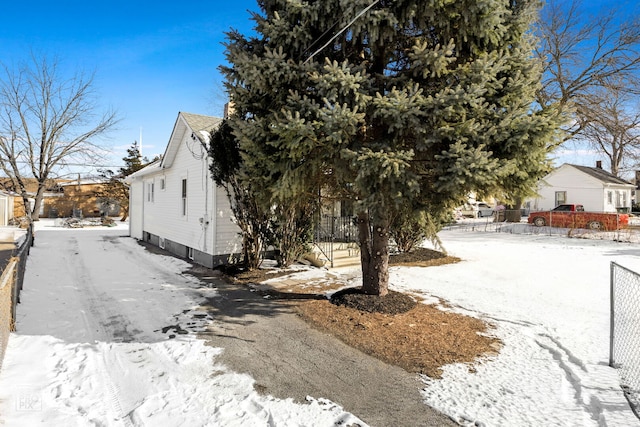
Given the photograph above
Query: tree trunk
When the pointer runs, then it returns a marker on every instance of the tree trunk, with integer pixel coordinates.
(252, 249)
(374, 255)
(26, 204)
(513, 212)
(125, 214)
(37, 202)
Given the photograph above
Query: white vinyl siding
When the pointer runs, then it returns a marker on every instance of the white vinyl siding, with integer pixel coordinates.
(216, 234)
(183, 199)
(580, 188)
(227, 240)
(150, 192)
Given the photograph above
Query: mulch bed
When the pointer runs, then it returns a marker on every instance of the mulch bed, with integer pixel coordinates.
(421, 340)
(397, 328)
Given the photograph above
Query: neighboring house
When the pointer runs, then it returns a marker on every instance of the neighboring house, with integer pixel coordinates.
(175, 204)
(593, 187)
(76, 198)
(7, 207)
(8, 186)
(62, 198)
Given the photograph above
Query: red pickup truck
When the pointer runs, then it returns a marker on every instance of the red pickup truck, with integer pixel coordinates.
(574, 216)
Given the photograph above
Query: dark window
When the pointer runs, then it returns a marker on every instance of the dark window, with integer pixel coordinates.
(184, 197)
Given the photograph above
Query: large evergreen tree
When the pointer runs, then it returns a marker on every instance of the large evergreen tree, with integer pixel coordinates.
(407, 103)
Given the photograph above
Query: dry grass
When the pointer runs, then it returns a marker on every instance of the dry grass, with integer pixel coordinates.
(423, 339)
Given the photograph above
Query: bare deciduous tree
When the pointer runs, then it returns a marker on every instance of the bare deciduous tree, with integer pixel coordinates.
(584, 55)
(47, 120)
(613, 126)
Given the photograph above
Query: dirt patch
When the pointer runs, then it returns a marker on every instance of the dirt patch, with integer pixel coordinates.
(421, 257)
(392, 303)
(398, 329)
(254, 276)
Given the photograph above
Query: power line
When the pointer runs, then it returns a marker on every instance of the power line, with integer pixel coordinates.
(362, 12)
(92, 165)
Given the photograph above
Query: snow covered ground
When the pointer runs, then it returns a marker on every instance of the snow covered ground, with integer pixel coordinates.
(92, 346)
(546, 295)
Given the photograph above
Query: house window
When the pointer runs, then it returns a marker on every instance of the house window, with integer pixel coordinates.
(561, 197)
(162, 184)
(150, 195)
(610, 197)
(346, 208)
(184, 197)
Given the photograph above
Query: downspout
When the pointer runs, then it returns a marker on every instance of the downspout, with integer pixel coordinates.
(205, 219)
(129, 202)
(142, 212)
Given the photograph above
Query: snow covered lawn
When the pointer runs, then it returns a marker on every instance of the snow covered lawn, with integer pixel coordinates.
(548, 297)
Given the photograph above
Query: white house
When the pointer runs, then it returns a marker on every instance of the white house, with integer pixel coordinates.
(175, 204)
(593, 187)
(6, 208)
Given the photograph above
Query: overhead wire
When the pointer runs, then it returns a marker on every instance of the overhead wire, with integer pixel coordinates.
(362, 12)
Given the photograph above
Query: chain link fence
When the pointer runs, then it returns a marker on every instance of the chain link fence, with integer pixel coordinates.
(13, 261)
(498, 223)
(624, 350)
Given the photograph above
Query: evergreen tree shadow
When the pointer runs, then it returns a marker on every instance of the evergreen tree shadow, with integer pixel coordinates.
(237, 303)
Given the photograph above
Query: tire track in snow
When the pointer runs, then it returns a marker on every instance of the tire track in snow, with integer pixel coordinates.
(571, 365)
(107, 327)
(110, 323)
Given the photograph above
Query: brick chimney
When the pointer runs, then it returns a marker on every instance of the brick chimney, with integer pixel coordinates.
(228, 109)
(599, 164)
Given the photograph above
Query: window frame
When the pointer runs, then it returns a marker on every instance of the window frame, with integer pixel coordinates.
(560, 198)
(184, 196)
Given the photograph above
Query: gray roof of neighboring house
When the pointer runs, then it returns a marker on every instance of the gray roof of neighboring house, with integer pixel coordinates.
(602, 175)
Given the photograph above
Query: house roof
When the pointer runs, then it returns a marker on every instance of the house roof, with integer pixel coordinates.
(198, 125)
(601, 175)
(30, 183)
(150, 168)
(201, 125)
(83, 181)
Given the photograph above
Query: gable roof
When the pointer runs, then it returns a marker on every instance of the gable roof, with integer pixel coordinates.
(201, 125)
(198, 125)
(601, 175)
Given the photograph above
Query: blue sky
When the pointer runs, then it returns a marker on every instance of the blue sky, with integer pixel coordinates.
(152, 59)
